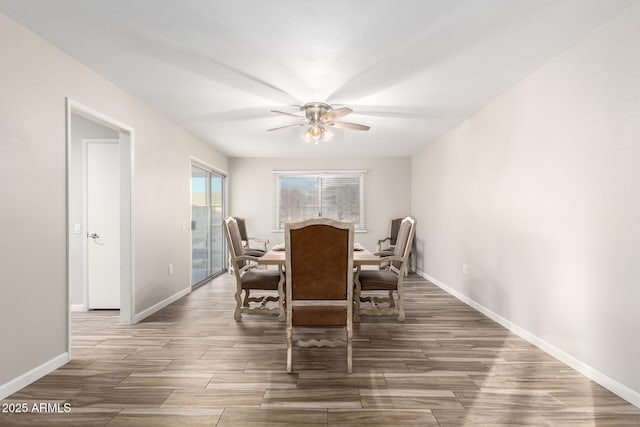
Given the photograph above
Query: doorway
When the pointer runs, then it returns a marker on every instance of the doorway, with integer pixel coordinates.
(207, 214)
(99, 213)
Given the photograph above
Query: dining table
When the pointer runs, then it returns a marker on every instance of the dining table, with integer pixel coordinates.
(361, 257)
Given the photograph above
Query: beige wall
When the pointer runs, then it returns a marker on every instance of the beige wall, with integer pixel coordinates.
(538, 194)
(35, 78)
(387, 186)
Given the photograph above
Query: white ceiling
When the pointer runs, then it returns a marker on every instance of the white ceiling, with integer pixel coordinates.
(410, 69)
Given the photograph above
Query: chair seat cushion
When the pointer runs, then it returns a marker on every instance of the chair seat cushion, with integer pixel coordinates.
(371, 280)
(254, 252)
(262, 279)
(384, 253)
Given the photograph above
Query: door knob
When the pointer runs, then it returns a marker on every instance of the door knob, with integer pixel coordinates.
(93, 236)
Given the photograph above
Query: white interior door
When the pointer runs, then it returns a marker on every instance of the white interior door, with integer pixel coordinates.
(103, 224)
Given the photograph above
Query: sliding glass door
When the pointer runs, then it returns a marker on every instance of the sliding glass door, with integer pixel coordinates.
(207, 213)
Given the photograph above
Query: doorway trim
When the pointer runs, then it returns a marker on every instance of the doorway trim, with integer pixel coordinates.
(127, 282)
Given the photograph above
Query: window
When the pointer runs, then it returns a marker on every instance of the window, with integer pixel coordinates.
(335, 195)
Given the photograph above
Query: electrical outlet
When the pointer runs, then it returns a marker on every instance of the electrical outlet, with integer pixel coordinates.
(465, 269)
(170, 269)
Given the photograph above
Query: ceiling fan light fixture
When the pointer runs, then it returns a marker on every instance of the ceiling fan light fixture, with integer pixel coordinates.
(316, 132)
(320, 116)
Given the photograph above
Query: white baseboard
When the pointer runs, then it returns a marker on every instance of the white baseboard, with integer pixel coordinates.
(35, 374)
(159, 306)
(609, 383)
(78, 307)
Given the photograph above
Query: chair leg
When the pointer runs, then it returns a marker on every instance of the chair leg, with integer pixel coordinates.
(289, 349)
(356, 297)
(349, 335)
(392, 303)
(349, 351)
(245, 302)
(281, 296)
(400, 304)
(237, 315)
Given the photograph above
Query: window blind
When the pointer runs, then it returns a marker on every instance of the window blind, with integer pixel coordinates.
(338, 196)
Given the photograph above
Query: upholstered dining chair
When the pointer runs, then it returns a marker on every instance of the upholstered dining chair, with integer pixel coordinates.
(259, 246)
(248, 279)
(319, 270)
(389, 280)
(252, 246)
(381, 249)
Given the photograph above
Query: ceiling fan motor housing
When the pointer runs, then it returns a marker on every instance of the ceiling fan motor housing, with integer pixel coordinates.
(314, 110)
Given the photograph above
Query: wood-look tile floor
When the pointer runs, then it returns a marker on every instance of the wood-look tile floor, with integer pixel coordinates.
(192, 364)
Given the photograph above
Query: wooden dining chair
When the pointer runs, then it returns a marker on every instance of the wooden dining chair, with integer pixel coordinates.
(248, 279)
(388, 280)
(319, 271)
(253, 246)
(381, 250)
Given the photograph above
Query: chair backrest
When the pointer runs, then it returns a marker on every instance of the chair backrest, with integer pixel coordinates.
(319, 268)
(395, 229)
(234, 241)
(404, 241)
(242, 228)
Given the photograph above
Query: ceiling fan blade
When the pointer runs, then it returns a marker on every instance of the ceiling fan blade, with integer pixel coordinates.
(287, 126)
(289, 114)
(336, 114)
(347, 125)
(241, 114)
(170, 51)
(398, 112)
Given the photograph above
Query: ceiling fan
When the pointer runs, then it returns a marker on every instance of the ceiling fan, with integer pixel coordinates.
(320, 116)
